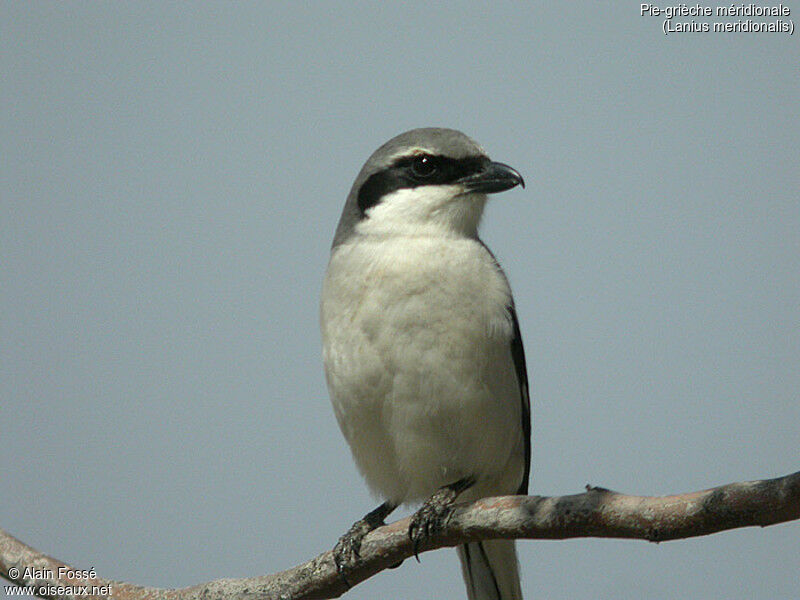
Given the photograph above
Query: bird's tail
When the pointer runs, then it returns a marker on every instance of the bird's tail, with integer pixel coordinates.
(490, 570)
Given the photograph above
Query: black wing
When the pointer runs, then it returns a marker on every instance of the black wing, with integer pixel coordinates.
(518, 356)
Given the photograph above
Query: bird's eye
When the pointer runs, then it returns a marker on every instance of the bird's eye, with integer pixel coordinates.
(424, 165)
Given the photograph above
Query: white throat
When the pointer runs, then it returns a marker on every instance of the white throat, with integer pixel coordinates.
(440, 210)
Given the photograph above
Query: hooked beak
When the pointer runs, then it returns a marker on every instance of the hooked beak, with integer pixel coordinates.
(494, 177)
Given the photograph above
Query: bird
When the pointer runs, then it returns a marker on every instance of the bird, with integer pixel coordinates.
(422, 349)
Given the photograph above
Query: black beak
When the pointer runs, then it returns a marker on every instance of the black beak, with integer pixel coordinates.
(494, 177)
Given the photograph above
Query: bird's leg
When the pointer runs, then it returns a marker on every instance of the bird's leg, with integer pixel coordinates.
(346, 551)
(433, 514)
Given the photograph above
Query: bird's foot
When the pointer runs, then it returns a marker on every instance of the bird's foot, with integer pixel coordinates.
(346, 551)
(427, 522)
(432, 516)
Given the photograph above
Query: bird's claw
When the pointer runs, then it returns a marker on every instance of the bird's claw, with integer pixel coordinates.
(429, 520)
(346, 551)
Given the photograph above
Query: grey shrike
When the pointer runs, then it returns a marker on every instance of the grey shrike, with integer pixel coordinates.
(422, 349)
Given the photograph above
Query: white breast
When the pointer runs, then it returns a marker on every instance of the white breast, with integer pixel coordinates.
(416, 336)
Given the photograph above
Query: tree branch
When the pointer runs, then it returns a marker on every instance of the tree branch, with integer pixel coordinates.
(596, 513)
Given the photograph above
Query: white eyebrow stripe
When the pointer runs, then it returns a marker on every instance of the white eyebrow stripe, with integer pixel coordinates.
(413, 151)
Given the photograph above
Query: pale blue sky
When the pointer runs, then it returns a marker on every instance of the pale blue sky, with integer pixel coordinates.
(171, 177)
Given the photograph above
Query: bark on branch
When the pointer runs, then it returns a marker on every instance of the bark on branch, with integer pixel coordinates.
(596, 513)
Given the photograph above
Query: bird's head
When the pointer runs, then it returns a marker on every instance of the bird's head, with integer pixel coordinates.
(428, 181)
